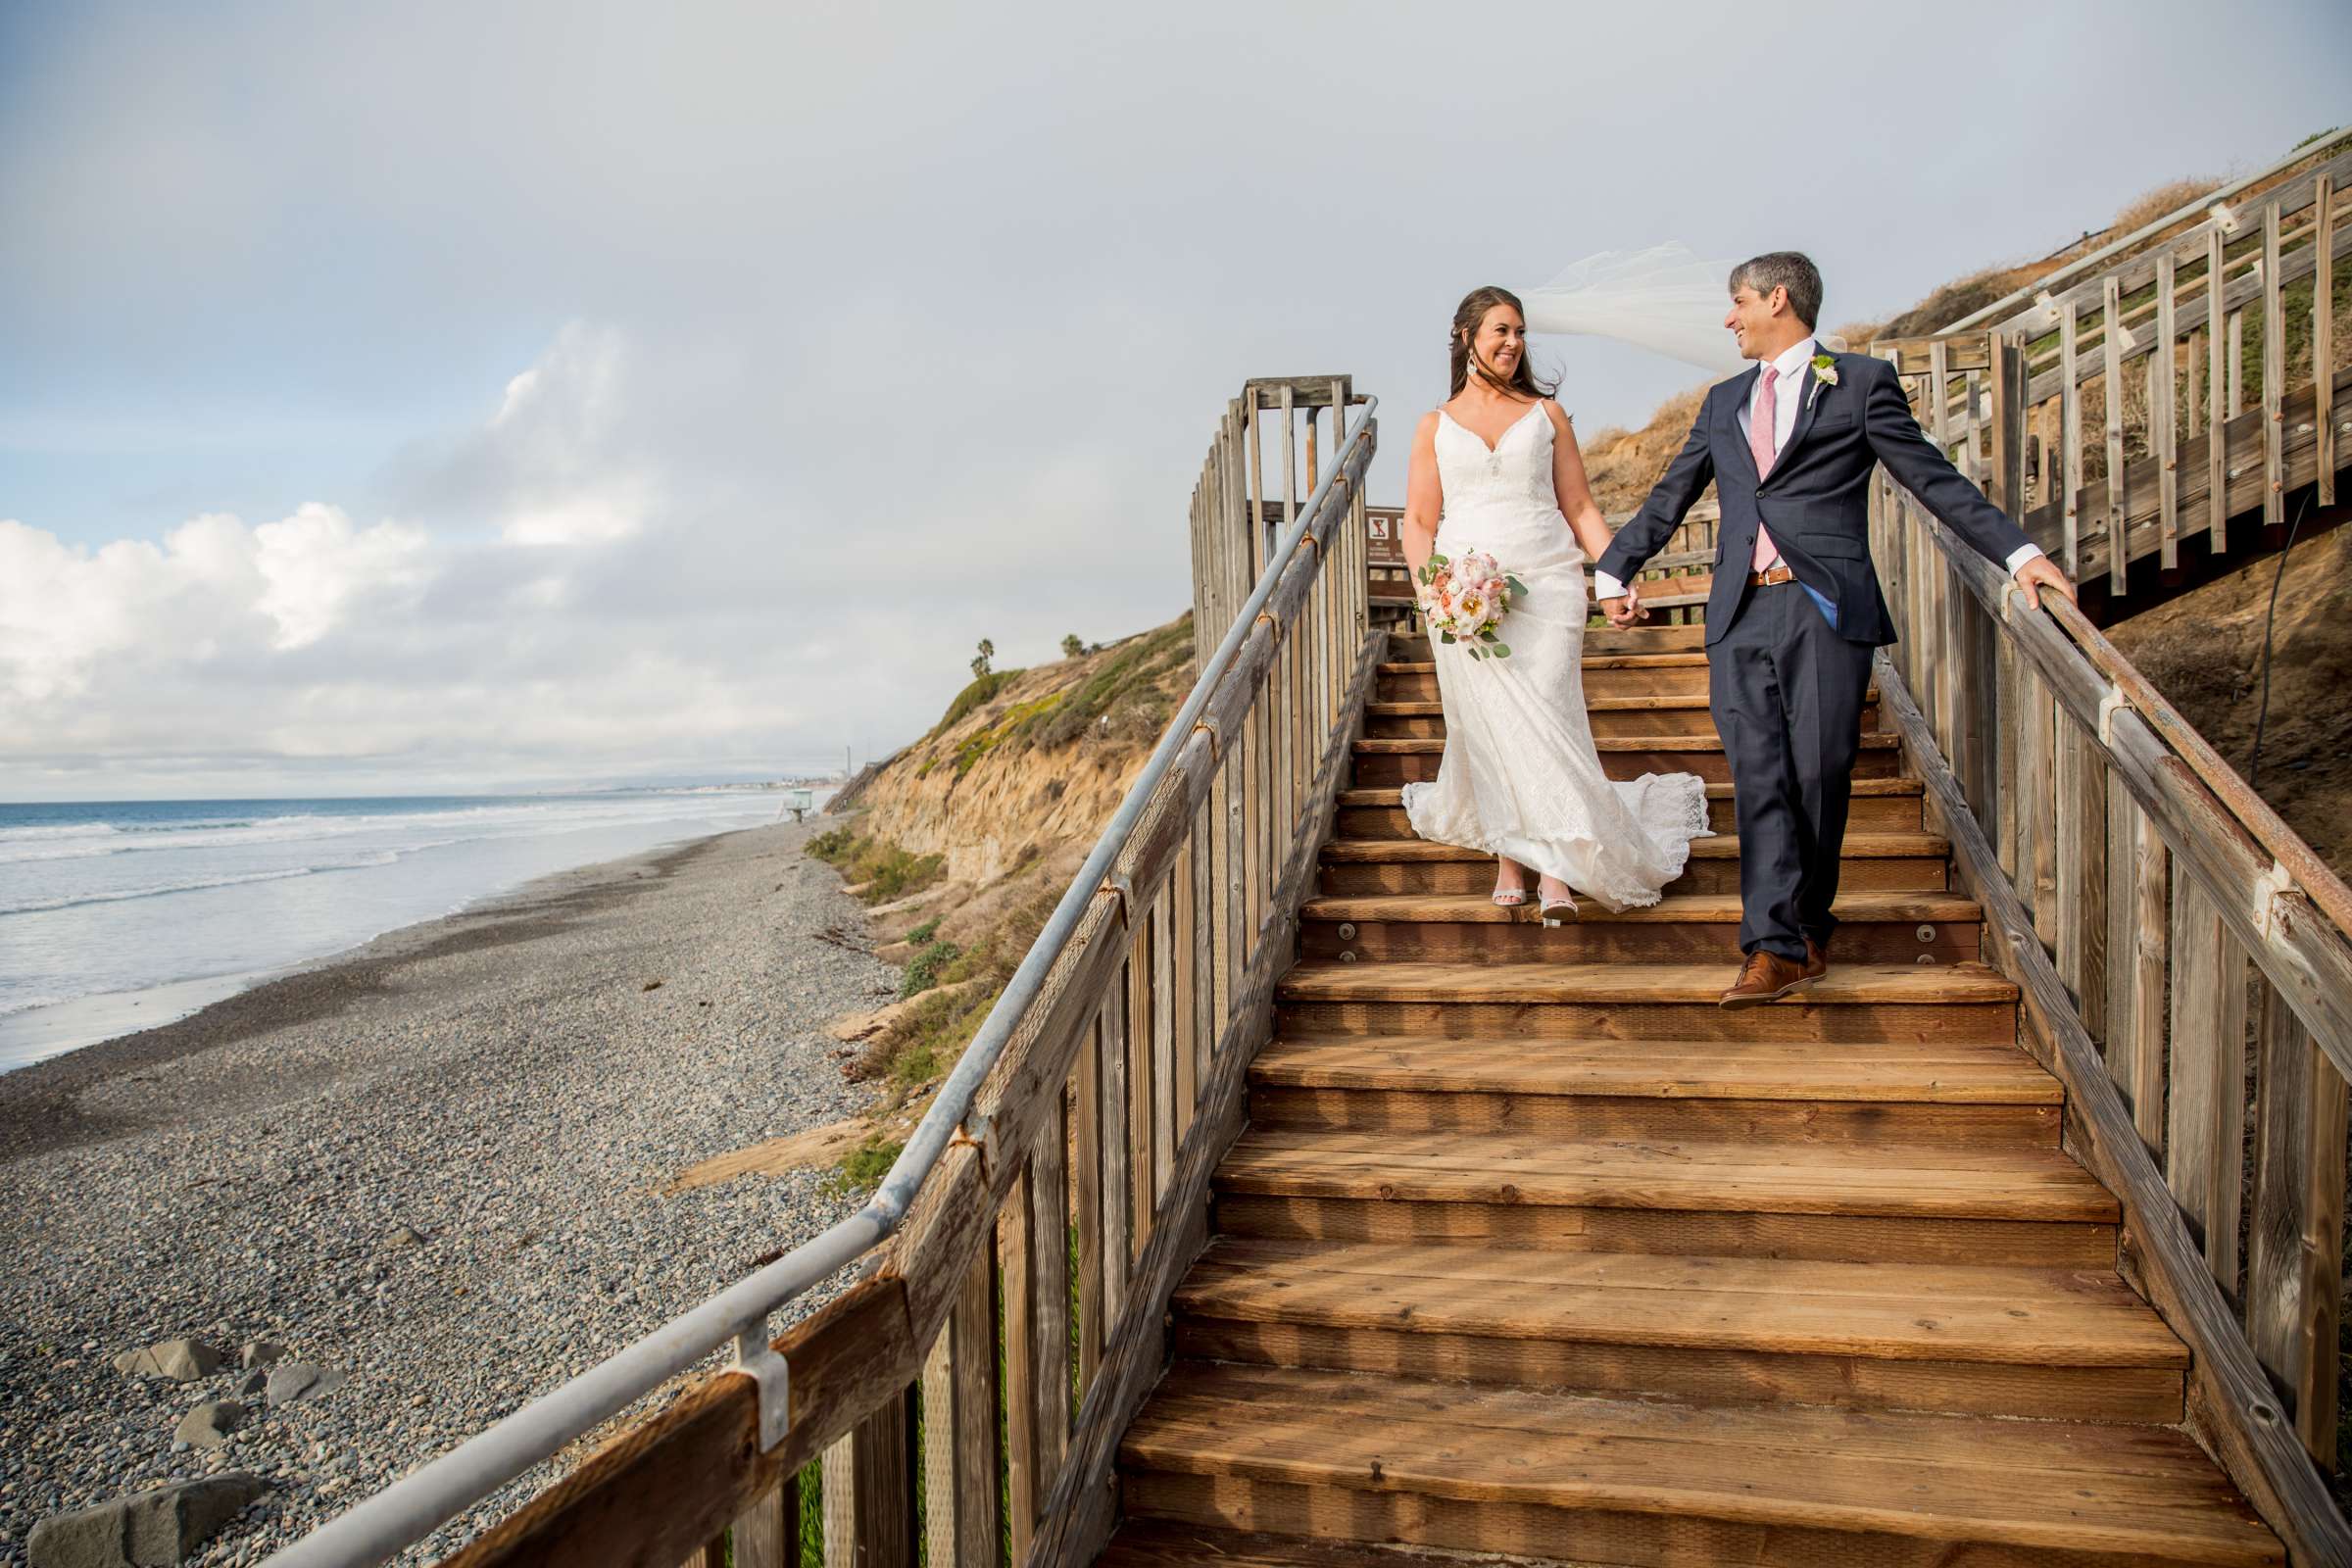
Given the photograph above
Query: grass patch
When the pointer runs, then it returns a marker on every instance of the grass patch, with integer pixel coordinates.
(922, 970)
(978, 692)
(862, 1168)
(924, 932)
(1125, 689)
(885, 870)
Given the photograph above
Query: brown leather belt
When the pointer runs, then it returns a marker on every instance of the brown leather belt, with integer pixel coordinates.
(1777, 571)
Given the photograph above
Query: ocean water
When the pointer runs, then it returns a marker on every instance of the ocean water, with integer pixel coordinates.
(116, 916)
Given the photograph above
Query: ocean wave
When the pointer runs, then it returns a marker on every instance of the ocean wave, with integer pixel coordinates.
(196, 885)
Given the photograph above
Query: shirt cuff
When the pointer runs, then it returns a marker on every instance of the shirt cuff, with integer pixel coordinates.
(2021, 555)
(1606, 586)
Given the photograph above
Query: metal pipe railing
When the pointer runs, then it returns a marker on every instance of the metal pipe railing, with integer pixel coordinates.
(412, 1508)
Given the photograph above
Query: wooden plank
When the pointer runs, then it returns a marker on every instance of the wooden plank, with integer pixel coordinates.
(2217, 400)
(2163, 426)
(2139, 938)
(1207, 1016)
(869, 1494)
(2006, 475)
(939, 1455)
(2323, 335)
(2081, 854)
(2233, 1408)
(1163, 1037)
(1016, 1251)
(2294, 1276)
(2112, 391)
(2070, 405)
(1142, 1093)
(2037, 789)
(1050, 1281)
(1086, 1184)
(2207, 1104)
(972, 1420)
(2274, 376)
(1118, 1191)
(767, 1534)
(2008, 700)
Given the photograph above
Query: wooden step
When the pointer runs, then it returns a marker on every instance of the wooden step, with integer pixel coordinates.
(1878, 805)
(1605, 675)
(1707, 1091)
(1403, 762)
(1872, 862)
(1873, 927)
(1170, 1543)
(1424, 718)
(1570, 1478)
(2046, 1343)
(1600, 641)
(1851, 1004)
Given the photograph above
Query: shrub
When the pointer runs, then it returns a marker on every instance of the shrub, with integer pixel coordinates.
(922, 970)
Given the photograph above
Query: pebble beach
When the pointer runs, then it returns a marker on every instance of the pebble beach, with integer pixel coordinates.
(433, 1166)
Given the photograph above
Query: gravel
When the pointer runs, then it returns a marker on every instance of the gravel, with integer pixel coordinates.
(433, 1165)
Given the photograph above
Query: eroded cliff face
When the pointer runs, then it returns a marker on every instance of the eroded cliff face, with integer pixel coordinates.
(1015, 784)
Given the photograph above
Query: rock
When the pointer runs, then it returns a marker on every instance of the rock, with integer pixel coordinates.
(181, 1360)
(147, 1530)
(254, 1382)
(402, 1236)
(260, 1352)
(299, 1380)
(209, 1425)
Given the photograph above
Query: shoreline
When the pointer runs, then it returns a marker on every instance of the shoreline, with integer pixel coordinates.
(440, 1162)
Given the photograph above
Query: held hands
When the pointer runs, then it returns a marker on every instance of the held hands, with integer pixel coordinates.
(2041, 572)
(1626, 609)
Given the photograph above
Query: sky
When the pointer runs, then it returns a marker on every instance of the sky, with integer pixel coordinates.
(512, 396)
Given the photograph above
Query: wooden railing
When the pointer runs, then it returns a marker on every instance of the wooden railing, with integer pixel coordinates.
(1674, 581)
(2150, 400)
(2168, 933)
(1025, 1292)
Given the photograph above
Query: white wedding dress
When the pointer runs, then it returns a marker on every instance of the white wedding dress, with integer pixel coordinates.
(1520, 776)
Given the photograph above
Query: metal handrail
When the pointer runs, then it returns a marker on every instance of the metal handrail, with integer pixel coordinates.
(404, 1513)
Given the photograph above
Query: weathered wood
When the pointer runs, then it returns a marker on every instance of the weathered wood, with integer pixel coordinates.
(1142, 1092)
(2294, 1276)
(2323, 336)
(2216, 400)
(2069, 403)
(1086, 1189)
(939, 1452)
(971, 1427)
(1016, 1252)
(2207, 1104)
(767, 1534)
(2244, 1426)
(2112, 396)
(869, 1494)
(2083, 875)
(1118, 1189)
(2274, 376)
(702, 1452)
(2163, 427)
(1049, 1282)
(2006, 475)
(2038, 785)
(1164, 1053)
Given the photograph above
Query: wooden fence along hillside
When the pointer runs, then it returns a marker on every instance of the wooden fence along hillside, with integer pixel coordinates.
(1298, 1206)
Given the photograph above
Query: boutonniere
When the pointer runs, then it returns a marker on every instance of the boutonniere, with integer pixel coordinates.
(1825, 373)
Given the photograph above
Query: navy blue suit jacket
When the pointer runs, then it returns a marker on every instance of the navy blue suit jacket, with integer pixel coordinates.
(1817, 499)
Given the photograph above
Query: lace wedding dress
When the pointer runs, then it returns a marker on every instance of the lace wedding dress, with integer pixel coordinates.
(1520, 776)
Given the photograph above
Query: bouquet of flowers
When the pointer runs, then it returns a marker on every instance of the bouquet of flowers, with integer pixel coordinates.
(1465, 597)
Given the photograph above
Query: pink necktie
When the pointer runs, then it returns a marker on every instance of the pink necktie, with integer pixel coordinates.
(1762, 423)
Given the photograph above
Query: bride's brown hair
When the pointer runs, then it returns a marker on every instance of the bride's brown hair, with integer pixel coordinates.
(1467, 316)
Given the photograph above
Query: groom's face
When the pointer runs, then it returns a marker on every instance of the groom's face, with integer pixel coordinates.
(1750, 319)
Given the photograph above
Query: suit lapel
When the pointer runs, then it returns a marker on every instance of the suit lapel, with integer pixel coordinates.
(1804, 410)
(1743, 387)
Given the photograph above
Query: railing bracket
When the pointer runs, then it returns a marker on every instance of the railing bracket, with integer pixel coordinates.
(2110, 705)
(2267, 890)
(755, 1359)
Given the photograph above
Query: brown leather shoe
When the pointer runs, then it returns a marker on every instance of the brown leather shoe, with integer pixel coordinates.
(1816, 959)
(1766, 977)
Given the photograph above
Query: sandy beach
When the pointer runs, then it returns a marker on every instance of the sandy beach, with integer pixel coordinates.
(433, 1164)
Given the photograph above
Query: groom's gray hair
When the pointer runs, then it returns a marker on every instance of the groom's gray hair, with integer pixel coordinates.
(1792, 271)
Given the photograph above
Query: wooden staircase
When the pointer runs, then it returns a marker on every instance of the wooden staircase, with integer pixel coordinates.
(1530, 1248)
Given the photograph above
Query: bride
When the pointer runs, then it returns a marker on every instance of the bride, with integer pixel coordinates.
(1496, 467)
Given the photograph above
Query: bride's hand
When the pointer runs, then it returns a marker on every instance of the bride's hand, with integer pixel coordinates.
(1625, 610)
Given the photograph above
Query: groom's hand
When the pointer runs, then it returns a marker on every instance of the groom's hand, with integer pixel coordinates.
(1625, 610)
(2041, 572)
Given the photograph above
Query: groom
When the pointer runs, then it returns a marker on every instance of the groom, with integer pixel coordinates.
(1795, 608)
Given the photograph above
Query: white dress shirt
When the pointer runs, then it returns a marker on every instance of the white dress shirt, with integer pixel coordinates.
(1785, 403)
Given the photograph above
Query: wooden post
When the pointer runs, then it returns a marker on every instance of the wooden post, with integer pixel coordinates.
(2274, 375)
(2037, 852)
(1086, 1185)
(2111, 360)
(1050, 1283)
(1119, 1195)
(2161, 422)
(2216, 430)
(2007, 473)
(2081, 855)
(869, 1496)
(2323, 335)
(2069, 413)
(767, 1534)
(2294, 1290)
(1025, 1490)
(2137, 936)
(2206, 1123)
